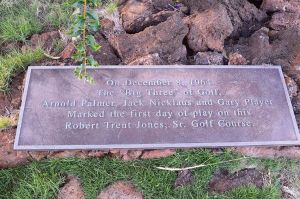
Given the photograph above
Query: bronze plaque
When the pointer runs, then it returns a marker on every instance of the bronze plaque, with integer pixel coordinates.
(155, 107)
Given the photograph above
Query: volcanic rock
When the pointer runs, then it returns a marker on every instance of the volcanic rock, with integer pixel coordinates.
(71, 190)
(120, 190)
(208, 58)
(155, 39)
(137, 15)
(281, 5)
(285, 20)
(209, 29)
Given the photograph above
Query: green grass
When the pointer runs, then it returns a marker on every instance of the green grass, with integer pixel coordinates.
(14, 63)
(20, 19)
(111, 6)
(43, 179)
(18, 28)
(58, 14)
(5, 122)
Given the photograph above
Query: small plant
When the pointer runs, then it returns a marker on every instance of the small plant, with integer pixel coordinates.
(5, 122)
(14, 63)
(85, 20)
(111, 6)
(58, 46)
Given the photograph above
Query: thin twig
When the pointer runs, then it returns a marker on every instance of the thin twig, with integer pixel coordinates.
(50, 56)
(198, 166)
(84, 37)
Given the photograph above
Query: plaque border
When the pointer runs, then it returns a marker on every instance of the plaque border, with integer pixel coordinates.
(154, 146)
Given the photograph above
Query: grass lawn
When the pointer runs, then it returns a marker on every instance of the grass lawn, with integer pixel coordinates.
(22, 18)
(43, 179)
(19, 19)
(14, 63)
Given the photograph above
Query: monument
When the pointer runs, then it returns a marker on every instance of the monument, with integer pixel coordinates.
(147, 107)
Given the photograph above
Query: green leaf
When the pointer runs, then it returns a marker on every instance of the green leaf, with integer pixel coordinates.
(77, 25)
(93, 3)
(79, 19)
(93, 25)
(89, 79)
(80, 47)
(77, 56)
(81, 25)
(92, 43)
(77, 4)
(76, 31)
(92, 14)
(78, 72)
(91, 61)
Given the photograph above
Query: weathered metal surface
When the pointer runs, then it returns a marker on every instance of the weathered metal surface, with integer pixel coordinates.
(155, 107)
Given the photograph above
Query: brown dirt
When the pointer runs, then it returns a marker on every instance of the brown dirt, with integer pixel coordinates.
(270, 152)
(184, 178)
(12, 100)
(71, 190)
(223, 181)
(120, 189)
(10, 157)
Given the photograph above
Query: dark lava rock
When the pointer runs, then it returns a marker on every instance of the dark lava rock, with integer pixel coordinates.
(120, 190)
(166, 39)
(184, 177)
(296, 104)
(152, 59)
(107, 27)
(284, 20)
(236, 59)
(106, 54)
(294, 72)
(137, 15)
(162, 4)
(245, 17)
(111, 24)
(257, 48)
(221, 20)
(282, 50)
(199, 5)
(286, 49)
(68, 51)
(209, 29)
(224, 181)
(281, 5)
(208, 58)
(291, 87)
(45, 41)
